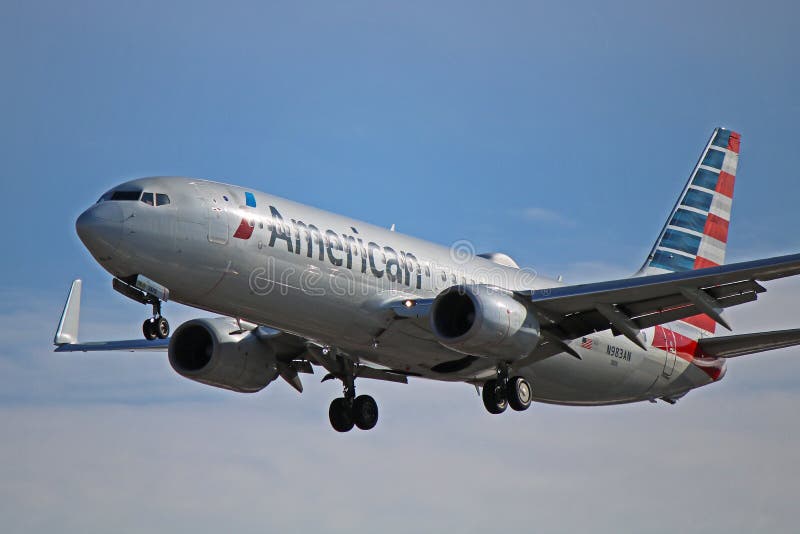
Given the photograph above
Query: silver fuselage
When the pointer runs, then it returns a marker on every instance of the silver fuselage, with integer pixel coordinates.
(327, 278)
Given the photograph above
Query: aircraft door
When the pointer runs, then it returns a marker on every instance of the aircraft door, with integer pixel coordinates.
(216, 216)
(672, 350)
(217, 224)
(200, 231)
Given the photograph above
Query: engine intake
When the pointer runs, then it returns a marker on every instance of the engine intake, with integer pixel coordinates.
(484, 321)
(193, 349)
(216, 352)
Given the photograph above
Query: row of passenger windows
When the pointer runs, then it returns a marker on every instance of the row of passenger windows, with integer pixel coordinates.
(152, 199)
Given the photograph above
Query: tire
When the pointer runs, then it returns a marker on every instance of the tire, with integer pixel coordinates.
(519, 394)
(365, 412)
(340, 415)
(161, 328)
(493, 397)
(149, 329)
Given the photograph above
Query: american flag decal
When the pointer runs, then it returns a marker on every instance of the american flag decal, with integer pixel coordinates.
(586, 343)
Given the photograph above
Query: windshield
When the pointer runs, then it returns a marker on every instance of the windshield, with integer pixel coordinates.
(121, 194)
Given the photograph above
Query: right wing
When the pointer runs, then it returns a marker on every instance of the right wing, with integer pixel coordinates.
(743, 344)
(630, 305)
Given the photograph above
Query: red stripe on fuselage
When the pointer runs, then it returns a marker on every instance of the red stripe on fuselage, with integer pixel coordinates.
(687, 349)
(244, 231)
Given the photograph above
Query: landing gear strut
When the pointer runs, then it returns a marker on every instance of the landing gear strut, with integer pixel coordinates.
(351, 410)
(157, 326)
(501, 392)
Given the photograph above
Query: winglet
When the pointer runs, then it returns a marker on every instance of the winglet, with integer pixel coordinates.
(67, 332)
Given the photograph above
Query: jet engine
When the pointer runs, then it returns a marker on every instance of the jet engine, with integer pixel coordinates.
(484, 321)
(218, 353)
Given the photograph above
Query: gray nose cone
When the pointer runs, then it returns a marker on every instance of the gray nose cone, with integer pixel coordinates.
(100, 229)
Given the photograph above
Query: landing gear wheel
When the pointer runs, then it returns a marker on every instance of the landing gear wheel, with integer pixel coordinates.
(149, 329)
(365, 412)
(341, 415)
(518, 393)
(161, 328)
(494, 398)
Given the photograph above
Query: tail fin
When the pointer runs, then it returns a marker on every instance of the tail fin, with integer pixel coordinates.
(696, 232)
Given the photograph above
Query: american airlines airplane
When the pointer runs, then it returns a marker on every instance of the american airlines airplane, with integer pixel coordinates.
(299, 288)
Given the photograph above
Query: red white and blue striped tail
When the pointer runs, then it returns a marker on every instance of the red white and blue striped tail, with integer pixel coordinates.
(696, 233)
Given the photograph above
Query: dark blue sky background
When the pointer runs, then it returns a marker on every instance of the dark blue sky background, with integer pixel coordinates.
(559, 133)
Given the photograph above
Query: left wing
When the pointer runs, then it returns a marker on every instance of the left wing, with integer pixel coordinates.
(629, 305)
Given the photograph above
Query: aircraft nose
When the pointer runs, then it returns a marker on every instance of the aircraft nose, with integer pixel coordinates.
(100, 229)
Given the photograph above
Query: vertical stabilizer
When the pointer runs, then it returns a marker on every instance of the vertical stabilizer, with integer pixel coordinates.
(696, 233)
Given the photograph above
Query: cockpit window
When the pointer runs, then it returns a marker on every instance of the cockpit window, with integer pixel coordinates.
(147, 197)
(130, 194)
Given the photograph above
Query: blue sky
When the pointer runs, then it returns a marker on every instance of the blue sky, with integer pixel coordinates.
(557, 133)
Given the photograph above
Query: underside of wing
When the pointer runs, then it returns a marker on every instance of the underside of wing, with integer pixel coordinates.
(629, 305)
(129, 345)
(292, 354)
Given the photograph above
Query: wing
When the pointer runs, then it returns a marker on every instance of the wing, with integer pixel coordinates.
(130, 345)
(295, 354)
(743, 344)
(629, 305)
(66, 338)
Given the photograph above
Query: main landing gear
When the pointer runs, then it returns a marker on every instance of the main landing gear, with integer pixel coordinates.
(351, 410)
(501, 392)
(157, 326)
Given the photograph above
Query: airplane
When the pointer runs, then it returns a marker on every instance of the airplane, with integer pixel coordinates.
(298, 288)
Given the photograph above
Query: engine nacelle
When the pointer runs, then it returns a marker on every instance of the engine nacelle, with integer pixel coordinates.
(217, 353)
(484, 321)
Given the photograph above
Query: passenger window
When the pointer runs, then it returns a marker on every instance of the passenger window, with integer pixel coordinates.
(161, 199)
(147, 198)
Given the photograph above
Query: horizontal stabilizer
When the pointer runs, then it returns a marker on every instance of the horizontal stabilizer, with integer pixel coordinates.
(743, 344)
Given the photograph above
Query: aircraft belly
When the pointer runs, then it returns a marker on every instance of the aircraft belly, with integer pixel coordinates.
(599, 377)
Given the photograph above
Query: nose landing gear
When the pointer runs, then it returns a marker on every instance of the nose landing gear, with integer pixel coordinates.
(501, 392)
(145, 291)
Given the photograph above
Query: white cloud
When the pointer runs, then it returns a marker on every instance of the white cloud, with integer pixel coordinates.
(118, 442)
(545, 215)
(254, 464)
